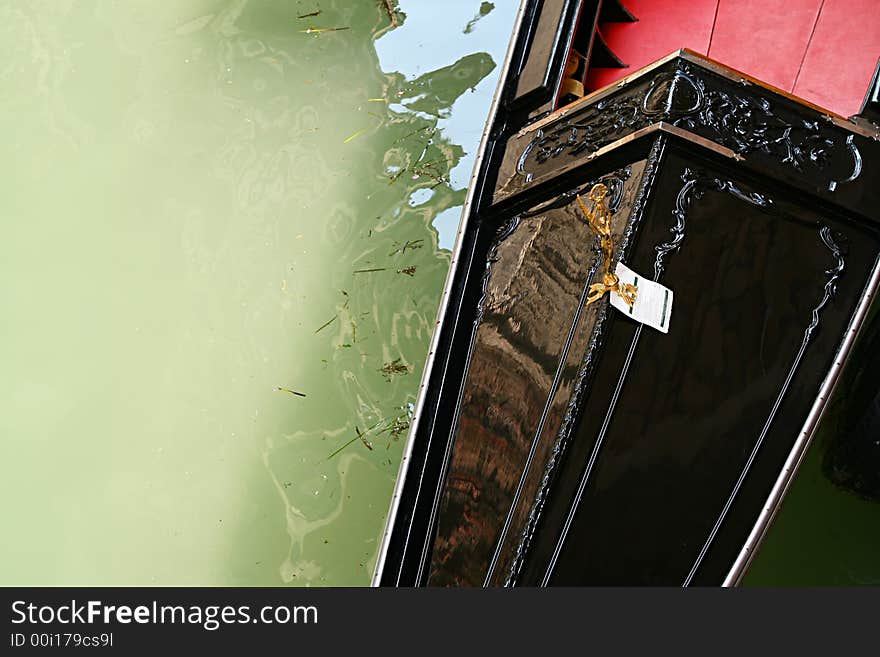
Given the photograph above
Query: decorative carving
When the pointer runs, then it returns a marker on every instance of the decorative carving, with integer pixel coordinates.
(599, 220)
(602, 123)
(504, 231)
(673, 94)
(695, 185)
(745, 121)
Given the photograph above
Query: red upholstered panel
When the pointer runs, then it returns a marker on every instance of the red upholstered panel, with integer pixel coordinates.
(664, 26)
(822, 50)
(765, 39)
(842, 55)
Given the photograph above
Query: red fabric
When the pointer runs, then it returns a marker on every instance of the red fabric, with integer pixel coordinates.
(821, 50)
(663, 27)
(842, 55)
(765, 39)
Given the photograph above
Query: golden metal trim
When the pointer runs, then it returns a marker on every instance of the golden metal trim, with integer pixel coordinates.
(599, 220)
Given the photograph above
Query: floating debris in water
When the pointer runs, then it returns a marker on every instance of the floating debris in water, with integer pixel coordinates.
(358, 436)
(421, 168)
(409, 271)
(367, 271)
(335, 452)
(292, 392)
(321, 30)
(409, 244)
(432, 129)
(364, 440)
(388, 370)
(314, 13)
(429, 170)
(395, 427)
(326, 324)
(355, 135)
(400, 424)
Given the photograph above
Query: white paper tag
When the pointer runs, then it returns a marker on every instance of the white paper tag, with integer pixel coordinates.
(653, 305)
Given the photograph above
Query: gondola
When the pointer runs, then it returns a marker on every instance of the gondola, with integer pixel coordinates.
(560, 438)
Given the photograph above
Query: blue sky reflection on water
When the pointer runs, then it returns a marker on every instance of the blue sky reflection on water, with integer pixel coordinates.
(432, 39)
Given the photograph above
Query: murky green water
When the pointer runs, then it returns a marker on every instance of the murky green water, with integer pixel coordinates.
(189, 189)
(822, 536)
(202, 203)
(827, 532)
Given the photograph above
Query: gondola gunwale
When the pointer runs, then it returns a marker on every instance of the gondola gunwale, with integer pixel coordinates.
(481, 161)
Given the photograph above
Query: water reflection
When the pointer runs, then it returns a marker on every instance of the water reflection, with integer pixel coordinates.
(207, 201)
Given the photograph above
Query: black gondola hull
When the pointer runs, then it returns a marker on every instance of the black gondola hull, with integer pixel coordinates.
(560, 442)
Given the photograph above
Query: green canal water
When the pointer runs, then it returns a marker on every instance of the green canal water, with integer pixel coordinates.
(190, 189)
(226, 226)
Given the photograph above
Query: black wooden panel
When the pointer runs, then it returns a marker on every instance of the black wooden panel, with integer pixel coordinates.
(545, 55)
(683, 434)
(533, 292)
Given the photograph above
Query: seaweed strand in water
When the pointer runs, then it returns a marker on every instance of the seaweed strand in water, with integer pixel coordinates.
(409, 244)
(326, 324)
(292, 392)
(395, 427)
(399, 425)
(321, 30)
